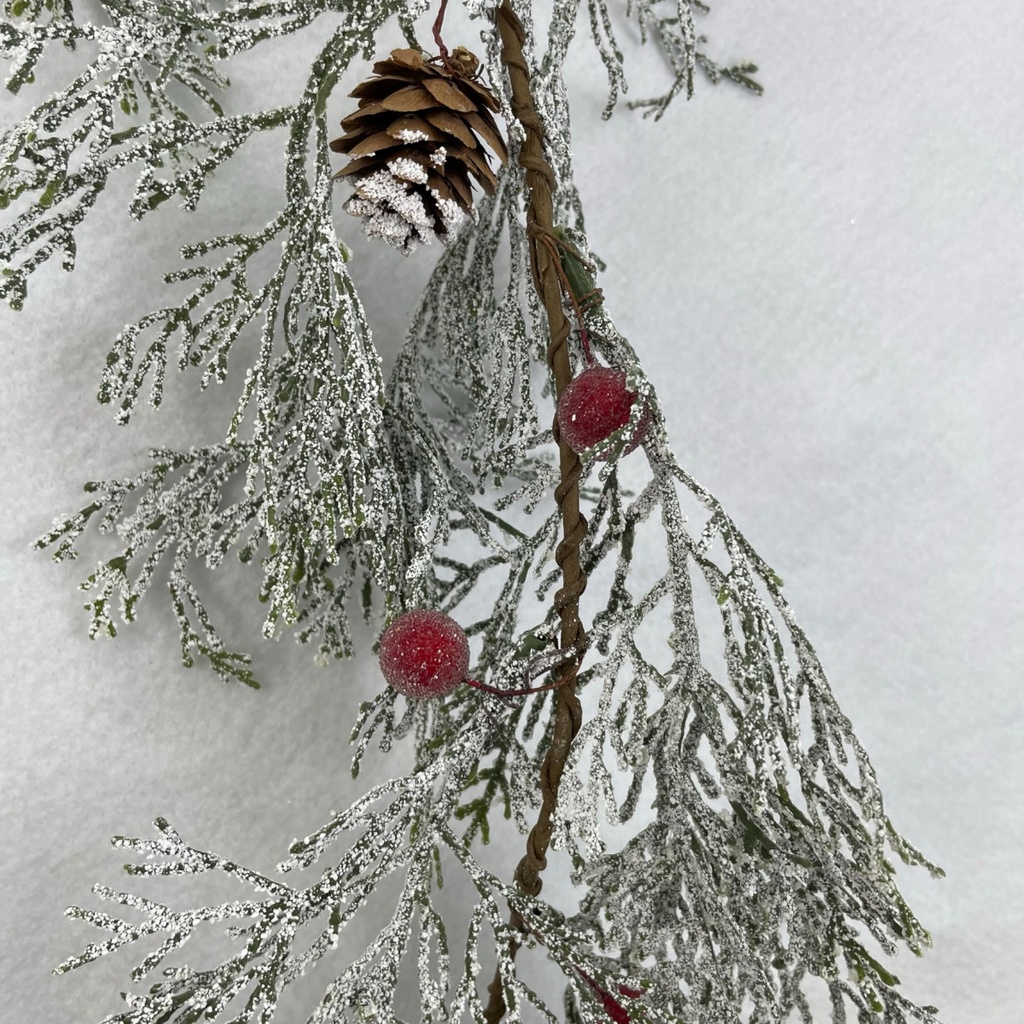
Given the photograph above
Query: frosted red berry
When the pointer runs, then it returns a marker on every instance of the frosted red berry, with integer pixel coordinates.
(424, 653)
(594, 406)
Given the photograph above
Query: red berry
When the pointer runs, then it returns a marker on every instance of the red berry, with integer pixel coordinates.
(424, 653)
(594, 406)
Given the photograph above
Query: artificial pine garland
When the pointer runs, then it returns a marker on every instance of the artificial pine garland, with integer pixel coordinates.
(765, 862)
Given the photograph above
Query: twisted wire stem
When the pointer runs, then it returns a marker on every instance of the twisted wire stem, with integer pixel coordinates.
(544, 263)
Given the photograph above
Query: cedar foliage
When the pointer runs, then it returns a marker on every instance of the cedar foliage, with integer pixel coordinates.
(759, 854)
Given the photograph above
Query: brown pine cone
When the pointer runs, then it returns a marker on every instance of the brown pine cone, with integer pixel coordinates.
(417, 138)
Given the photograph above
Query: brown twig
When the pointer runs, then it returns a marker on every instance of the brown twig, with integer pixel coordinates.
(544, 262)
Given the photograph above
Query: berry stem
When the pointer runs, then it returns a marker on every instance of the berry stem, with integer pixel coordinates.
(542, 663)
(438, 22)
(614, 1008)
(498, 692)
(570, 292)
(577, 282)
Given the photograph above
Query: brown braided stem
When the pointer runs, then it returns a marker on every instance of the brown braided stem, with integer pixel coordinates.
(540, 182)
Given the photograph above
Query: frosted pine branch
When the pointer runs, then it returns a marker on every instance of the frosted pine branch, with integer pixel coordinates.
(725, 826)
(55, 172)
(271, 955)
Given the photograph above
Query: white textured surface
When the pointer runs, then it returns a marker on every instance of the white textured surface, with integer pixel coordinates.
(825, 287)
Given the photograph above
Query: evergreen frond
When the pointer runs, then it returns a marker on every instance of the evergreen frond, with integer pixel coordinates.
(766, 864)
(55, 162)
(282, 931)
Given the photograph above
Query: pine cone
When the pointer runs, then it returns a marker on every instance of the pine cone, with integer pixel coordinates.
(416, 138)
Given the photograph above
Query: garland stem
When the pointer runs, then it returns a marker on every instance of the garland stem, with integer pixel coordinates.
(540, 183)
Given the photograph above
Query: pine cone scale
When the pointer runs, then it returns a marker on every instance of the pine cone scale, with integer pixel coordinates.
(400, 62)
(448, 95)
(462, 187)
(411, 97)
(483, 124)
(478, 165)
(445, 122)
(411, 123)
(444, 189)
(369, 144)
(418, 141)
(376, 88)
(367, 113)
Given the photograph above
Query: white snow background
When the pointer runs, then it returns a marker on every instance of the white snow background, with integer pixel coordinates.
(825, 286)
